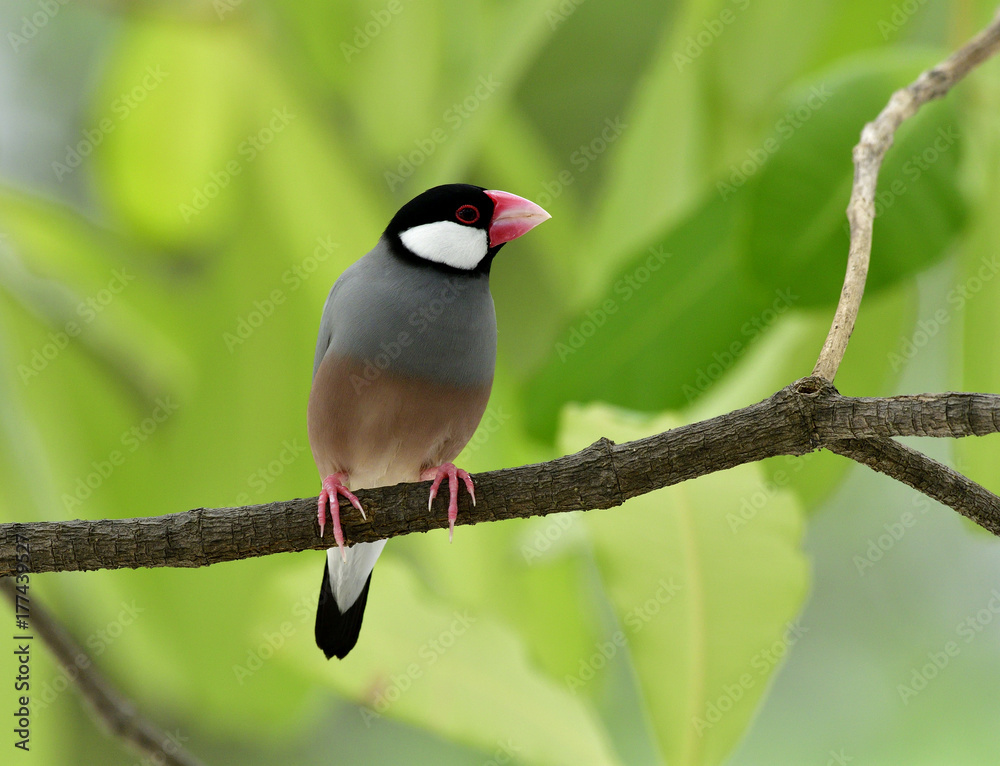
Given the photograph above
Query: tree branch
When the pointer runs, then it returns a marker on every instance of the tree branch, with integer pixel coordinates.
(876, 138)
(114, 710)
(926, 475)
(809, 414)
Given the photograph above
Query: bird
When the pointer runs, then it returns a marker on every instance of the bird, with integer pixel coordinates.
(403, 370)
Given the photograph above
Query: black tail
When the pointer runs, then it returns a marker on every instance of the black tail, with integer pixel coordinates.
(336, 632)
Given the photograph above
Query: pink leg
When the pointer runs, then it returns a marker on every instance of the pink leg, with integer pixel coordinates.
(333, 485)
(453, 474)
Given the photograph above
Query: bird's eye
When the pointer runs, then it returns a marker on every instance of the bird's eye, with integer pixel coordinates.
(467, 214)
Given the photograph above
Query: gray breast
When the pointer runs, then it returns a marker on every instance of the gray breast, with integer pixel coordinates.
(412, 320)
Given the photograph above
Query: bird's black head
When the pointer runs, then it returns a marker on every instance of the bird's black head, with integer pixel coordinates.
(459, 227)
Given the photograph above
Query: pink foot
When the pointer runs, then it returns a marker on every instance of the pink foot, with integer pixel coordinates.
(333, 485)
(453, 474)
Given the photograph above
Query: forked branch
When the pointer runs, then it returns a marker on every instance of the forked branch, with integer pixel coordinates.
(808, 415)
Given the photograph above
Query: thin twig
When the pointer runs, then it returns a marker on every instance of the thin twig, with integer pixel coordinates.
(876, 138)
(114, 710)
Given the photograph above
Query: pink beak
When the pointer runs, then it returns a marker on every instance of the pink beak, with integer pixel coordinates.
(512, 217)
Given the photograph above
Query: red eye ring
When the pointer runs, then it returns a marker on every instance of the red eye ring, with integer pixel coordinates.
(463, 215)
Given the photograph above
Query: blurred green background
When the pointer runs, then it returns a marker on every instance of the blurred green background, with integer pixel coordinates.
(180, 183)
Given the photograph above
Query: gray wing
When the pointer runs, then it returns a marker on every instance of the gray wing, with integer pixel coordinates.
(337, 303)
(325, 327)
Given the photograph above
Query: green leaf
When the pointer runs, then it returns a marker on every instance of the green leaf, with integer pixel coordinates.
(797, 231)
(526, 279)
(175, 138)
(453, 671)
(84, 285)
(24, 471)
(471, 95)
(656, 167)
(706, 579)
(669, 325)
(410, 40)
(310, 186)
(788, 350)
(569, 92)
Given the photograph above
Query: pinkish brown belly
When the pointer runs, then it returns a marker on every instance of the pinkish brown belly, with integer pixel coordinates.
(384, 429)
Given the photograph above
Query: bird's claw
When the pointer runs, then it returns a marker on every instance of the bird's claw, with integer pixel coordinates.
(436, 475)
(333, 485)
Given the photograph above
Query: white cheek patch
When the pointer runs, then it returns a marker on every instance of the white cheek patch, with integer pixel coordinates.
(461, 247)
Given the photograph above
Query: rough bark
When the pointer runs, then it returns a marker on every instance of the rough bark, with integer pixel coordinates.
(809, 414)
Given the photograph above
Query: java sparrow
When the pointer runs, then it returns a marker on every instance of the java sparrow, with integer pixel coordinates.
(403, 370)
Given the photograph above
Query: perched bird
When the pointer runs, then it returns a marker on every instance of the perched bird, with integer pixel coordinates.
(403, 370)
